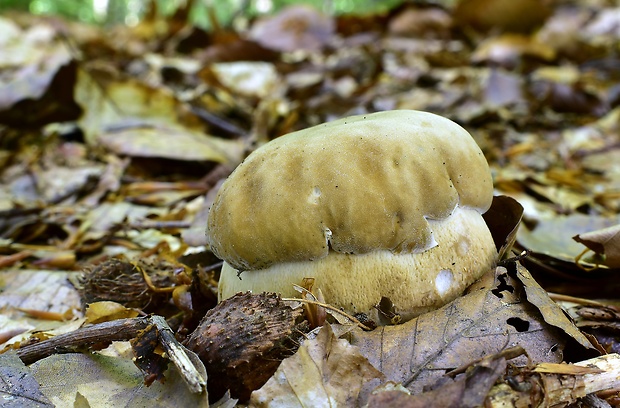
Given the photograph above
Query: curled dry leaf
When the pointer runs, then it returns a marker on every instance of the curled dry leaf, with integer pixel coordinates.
(604, 241)
(503, 219)
(552, 237)
(324, 372)
(492, 316)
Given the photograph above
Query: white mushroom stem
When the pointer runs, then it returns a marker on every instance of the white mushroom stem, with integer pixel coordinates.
(414, 282)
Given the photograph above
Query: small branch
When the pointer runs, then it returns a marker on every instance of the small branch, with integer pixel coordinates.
(176, 353)
(330, 307)
(119, 330)
(116, 330)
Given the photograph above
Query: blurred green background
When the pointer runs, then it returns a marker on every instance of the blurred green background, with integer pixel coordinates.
(129, 12)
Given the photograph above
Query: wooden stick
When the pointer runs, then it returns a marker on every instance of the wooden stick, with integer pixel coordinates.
(119, 330)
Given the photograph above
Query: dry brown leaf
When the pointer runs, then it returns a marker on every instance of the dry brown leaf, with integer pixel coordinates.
(604, 241)
(570, 369)
(469, 390)
(503, 219)
(551, 312)
(503, 15)
(324, 372)
(493, 316)
(509, 49)
(105, 311)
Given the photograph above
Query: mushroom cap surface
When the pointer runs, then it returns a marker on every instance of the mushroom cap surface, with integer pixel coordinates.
(352, 186)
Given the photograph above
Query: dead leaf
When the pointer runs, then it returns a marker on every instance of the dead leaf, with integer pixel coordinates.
(131, 118)
(508, 50)
(553, 237)
(551, 312)
(569, 369)
(503, 15)
(492, 316)
(468, 390)
(18, 388)
(294, 28)
(325, 371)
(503, 219)
(605, 241)
(109, 382)
(106, 311)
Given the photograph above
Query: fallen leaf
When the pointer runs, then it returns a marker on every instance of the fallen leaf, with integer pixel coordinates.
(469, 390)
(503, 219)
(105, 311)
(324, 372)
(551, 311)
(18, 388)
(552, 237)
(108, 382)
(503, 15)
(605, 241)
(294, 28)
(495, 314)
(133, 119)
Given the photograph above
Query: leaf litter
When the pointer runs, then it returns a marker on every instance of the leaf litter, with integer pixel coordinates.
(115, 145)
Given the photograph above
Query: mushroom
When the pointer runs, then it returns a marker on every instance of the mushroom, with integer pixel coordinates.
(387, 204)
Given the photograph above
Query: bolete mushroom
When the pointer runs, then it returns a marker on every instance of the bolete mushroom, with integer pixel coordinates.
(387, 204)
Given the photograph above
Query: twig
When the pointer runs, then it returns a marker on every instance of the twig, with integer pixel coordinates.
(119, 330)
(176, 353)
(330, 307)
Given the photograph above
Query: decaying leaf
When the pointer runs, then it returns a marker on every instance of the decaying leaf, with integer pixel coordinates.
(325, 371)
(108, 382)
(552, 237)
(294, 28)
(158, 126)
(18, 388)
(495, 314)
(605, 242)
(551, 312)
(469, 390)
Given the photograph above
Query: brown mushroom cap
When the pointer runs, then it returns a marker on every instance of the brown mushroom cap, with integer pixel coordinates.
(379, 185)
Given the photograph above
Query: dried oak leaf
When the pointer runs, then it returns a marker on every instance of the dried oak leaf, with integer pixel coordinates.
(294, 28)
(325, 371)
(494, 315)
